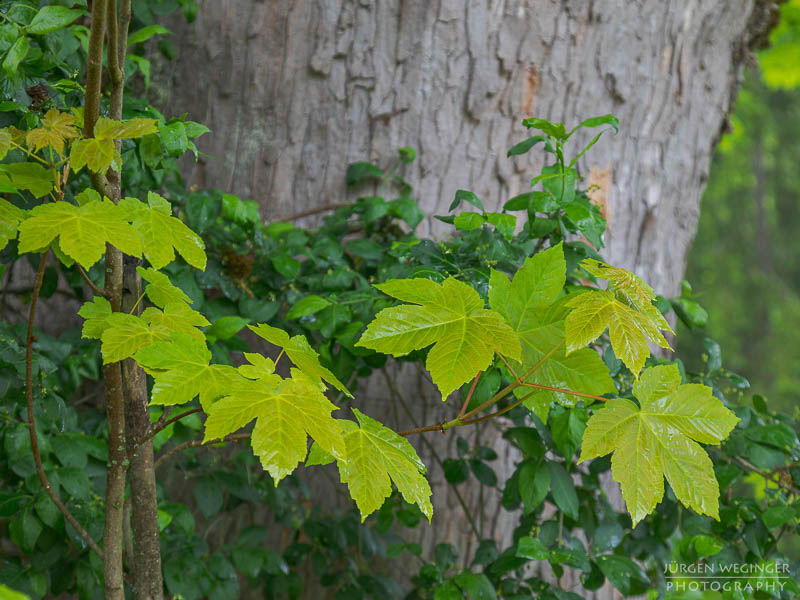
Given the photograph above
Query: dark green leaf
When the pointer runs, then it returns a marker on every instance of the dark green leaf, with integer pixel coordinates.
(50, 18)
(407, 155)
(307, 306)
(455, 470)
(777, 516)
(556, 130)
(226, 327)
(534, 483)
(360, 170)
(208, 495)
(562, 489)
(523, 147)
(608, 536)
(466, 196)
(483, 472)
(366, 249)
(531, 548)
(285, 265)
(476, 585)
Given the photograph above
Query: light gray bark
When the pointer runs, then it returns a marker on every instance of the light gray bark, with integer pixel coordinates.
(294, 91)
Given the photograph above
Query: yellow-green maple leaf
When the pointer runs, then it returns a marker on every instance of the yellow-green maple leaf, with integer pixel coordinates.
(658, 439)
(123, 335)
(452, 317)
(57, 127)
(286, 412)
(10, 218)
(181, 370)
(529, 304)
(82, 231)
(177, 316)
(160, 290)
(162, 234)
(96, 314)
(300, 353)
(27, 176)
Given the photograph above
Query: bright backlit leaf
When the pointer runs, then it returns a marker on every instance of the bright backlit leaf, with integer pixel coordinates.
(528, 303)
(160, 289)
(28, 176)
(96, 314)
(181, 370)
(300, 353)
(57, 127)
(10, 218)
(177, 316)
(286, 412)
(95, 153)
(162, 234)
(452, 317)
(659, 439)
(375, 457)
(82, 231)
(123, 335)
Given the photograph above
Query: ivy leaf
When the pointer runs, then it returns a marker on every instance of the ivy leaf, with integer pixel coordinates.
(82, 231)
(528, 303)
(181, 370)
(29, 176)
(96, 314)
(57, 127)
(160, 232)
(177, 316)
(300, 353)
(377, 456)
(452, 317)
(659, 439)
(10, 218)
(123, 335)
(286, 412)
(160, 289)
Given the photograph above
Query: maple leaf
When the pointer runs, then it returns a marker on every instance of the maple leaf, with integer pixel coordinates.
(177, 316)
(5, 142)
(181, 370)
(82, 231)
(96, 314)
(300, 353)
(375, 457)
(10, 218)
(160, 289)
(123, 335)
(287, 411)
(452, 317)
(95, 153)
(162, 234)
(529, 304)
(658, 439)
(27, 176)
(57, 127)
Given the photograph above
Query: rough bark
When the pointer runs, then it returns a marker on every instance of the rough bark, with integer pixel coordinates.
(294, 91)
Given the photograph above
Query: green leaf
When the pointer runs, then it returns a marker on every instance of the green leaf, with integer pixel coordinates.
(174, 138)
(555, 130)
(450, 316)
(25, 529)
(96, 314)
(6, 593)
(176, 316)
(777, 515)
(300, 353)
(145, 33)
(123, 335)
(160, 232)
(307, 305)
(562, 489)
(534, 483)
(531, 548)
(526, 303)
(29, 176)
(625, 308)
(468, 197)
(208, 496)
(597, 122)
(10, 218)
(476, 585)
(95, 153)
(226, 327)
(360, 170)
(660, 440)
(287, 411)
(181, 371)
(123, 130)
(526, 145)
(82, 232)
(467, 221)
(50, 18)
(504, 223)
(375, 457)
(160, 289)
(15, 55)
(5, 142)
(408, 210)
(57, 127)
(407, 155)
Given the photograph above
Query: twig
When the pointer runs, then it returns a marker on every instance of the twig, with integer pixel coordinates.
(162, 424)
(90, 283)
(469, 395)
(317, 210)
(499, 412)
(508, 366)
(563, 390)
(37, 458)
(195, 443)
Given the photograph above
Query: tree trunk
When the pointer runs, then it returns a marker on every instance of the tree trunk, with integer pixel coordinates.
(295, 90)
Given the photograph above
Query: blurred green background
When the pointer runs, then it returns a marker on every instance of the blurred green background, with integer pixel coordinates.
(744, 267)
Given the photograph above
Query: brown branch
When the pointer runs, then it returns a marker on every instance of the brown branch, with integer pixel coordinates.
(499, 412)
(234, 437)
(563, 390)
(469, 395)
(162, 424)
(37, 458)
(94, 70)
(317, 210)
(89, 282)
